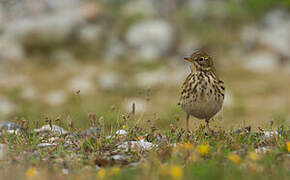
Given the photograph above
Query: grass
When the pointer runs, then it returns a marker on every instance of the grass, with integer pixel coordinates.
(174, 154)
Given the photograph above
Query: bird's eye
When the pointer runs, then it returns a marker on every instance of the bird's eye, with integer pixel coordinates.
(200, 59)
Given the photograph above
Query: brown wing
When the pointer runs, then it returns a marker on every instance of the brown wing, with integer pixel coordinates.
(186, 88)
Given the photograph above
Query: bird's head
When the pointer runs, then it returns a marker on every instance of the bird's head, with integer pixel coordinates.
(200, 61)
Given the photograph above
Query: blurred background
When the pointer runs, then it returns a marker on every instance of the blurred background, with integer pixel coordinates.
(71, 57)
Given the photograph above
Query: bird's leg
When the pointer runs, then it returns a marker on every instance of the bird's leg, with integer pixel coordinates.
(207, 125)
(187, 122)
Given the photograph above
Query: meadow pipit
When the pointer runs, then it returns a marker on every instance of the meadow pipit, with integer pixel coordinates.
(202, 93)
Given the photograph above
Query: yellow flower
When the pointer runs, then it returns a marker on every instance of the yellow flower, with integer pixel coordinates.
(186, 146)
(30, 173)
(140, 138)
(203, 149)
(234, 158)
(124, 127)
(101, 173)
(176, 172)
(115, 170)
(288, 146)
(253, 156)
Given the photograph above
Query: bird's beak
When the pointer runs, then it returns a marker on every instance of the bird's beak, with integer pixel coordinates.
(187, 58)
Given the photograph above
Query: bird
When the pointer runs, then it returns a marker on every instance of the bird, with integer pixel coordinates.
(202, 92)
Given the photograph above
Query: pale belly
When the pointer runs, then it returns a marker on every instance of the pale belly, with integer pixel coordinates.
(202, 108)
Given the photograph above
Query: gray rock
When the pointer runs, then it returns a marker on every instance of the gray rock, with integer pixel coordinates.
(55, 129)
(10, 127)
(136, 144)
(46, 144)
(55, 29)
(39, 24)
(121, 132)
(266, 34)
(277, 38)
(150, 39)
(261, 62)
(262, 150)
(269, 134)
(118, 157)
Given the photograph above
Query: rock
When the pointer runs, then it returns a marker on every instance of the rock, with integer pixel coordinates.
(151, 39)
(262, 150)
(43, 30)
(269, 134)
(41, 25)
(121, 132)
(261, 62)
(10, 127)
(3, 151)
(57, 97)
(46, 144)
(55, 129)
(267, 35)
(136, 144)
(277, 38)
(118, 157)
